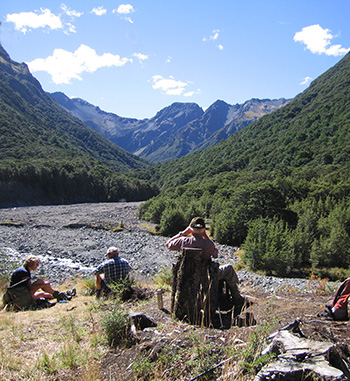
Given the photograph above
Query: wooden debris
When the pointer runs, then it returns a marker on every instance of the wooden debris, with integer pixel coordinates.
(299, 358)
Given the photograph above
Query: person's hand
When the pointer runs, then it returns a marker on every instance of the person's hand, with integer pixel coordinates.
(187, 231)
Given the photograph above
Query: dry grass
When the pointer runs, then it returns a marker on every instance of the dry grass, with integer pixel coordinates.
(67, 342)
(63, 342)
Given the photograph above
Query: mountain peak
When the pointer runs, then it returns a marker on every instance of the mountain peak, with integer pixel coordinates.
(15, 67)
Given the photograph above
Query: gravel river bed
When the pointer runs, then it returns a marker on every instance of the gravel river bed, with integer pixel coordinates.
(71, 240)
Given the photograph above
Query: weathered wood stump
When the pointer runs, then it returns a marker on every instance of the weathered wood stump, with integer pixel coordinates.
(195, 288)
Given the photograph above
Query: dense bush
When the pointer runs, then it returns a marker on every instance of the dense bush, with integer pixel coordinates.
(286, 221)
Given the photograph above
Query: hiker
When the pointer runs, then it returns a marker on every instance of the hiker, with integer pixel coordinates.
(338, 309)
(39, 289)
(195, 236)
(113, 270)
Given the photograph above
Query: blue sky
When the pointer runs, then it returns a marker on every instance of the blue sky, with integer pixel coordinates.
(135, 58)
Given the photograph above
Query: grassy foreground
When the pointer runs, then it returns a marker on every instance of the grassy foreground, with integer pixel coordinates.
(89, 339)
(75, 341)
(62, 342)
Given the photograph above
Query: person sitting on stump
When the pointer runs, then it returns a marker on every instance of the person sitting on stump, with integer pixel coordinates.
(39, 289)
(114, 270)
(195, 236)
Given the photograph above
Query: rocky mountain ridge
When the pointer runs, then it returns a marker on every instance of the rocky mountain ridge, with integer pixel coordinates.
(174, 131)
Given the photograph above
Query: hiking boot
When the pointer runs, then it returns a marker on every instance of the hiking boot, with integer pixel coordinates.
(71, 292)
(98, 293)
(329, 312)
(62, 296)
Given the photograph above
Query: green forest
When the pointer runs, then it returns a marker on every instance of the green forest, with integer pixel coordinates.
(49, 156)
(278, 189)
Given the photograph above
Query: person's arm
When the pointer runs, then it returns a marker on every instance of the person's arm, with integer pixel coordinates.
(99, 269)
(184, 233)
(215, 253)
(205, 235)
(213, 249)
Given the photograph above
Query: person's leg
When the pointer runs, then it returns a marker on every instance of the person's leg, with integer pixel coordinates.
(105, 289)
(41, 294)
(99, 279)
(47, 291)
(227, 273)
(45, 286)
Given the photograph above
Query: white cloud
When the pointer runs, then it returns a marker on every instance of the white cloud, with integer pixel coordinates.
(70, 28)
(140, 56)
(215, 35)
(99, 11)
(306, 81)
(168, 60)
(125, 9)
(25, 21)
(63, 66)
(318, 41)
(169, 86)
(71, 13)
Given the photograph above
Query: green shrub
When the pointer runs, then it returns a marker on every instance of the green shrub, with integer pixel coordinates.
(266, 247)
(115, 324)
(172, 222)
(164, 278)
(88, 286)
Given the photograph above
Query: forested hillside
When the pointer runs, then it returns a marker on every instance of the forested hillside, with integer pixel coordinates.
(279, 188)
(47, 155)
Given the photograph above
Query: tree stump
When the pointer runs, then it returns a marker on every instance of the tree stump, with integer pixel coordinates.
(195, 288)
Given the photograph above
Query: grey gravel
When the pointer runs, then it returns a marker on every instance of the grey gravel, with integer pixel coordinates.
(72, 240)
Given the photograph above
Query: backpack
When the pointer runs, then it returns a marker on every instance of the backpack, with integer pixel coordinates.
(18, 295)
(340, 302)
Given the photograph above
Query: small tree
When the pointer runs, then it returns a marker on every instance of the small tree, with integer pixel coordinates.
(266, 247)
(172, 222)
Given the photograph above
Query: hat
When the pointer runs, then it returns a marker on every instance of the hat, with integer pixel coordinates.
(198, 223)
(111, 250)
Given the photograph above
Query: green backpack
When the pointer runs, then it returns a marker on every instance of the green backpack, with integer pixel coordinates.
(18, 296)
